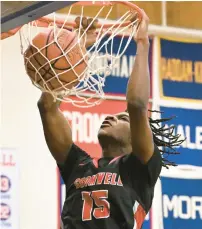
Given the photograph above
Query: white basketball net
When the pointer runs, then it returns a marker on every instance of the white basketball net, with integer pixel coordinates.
(102, 55)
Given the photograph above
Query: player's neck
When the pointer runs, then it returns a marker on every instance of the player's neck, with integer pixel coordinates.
(111, 150)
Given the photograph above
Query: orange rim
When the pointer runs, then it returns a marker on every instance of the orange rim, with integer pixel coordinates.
(130, 5)
(45, 21)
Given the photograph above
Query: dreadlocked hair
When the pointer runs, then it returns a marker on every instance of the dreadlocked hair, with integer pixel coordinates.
(165, 138)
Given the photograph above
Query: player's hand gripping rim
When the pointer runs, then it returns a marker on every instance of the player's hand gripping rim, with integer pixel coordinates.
(90, 35)
(142, 29)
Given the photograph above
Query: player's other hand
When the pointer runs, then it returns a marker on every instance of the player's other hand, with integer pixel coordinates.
(142, 30)
(89, 38)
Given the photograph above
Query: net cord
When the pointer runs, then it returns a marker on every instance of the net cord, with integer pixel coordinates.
(92, 79)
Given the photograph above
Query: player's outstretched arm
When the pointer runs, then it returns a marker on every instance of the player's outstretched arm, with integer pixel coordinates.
(56, 128)
(138, 92)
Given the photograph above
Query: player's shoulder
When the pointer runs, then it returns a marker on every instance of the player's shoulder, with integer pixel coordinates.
(76, 151)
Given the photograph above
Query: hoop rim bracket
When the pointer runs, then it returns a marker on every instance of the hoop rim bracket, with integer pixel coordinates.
(30, 13)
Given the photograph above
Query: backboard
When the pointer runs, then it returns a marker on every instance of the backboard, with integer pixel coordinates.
(17, 13)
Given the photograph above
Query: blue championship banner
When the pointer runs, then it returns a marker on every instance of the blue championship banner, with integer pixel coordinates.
(179, 201)
(116, 82)
(180, 70)
(189, 125)
(147, 222)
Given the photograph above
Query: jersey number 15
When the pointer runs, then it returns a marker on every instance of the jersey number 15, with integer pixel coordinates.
(95, 198)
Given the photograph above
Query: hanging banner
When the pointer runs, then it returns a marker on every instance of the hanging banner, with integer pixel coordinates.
(179, 201)
(147, 222)
(116, 82)
(85, 123)
(180, 72)
(189, 125)
(9, 189)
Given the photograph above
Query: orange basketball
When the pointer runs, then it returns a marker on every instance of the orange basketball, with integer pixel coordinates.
(50, 64)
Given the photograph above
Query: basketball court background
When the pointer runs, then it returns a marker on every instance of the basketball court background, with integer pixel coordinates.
(176, 71)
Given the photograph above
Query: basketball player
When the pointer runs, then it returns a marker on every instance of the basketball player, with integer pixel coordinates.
(116, 191)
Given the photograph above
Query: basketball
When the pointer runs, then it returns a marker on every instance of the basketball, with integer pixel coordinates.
(50, 57)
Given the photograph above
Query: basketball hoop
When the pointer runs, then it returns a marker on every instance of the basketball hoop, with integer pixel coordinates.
(100, 58)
